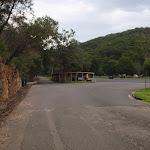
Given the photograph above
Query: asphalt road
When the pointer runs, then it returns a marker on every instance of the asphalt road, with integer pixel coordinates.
(82, 116)
(124, 80)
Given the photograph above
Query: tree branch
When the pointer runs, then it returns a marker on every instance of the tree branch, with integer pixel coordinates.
(10, 12)
(17, 51)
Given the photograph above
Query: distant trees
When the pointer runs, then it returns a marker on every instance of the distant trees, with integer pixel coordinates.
(123, 52)
(146, 66)
(110, 67)
(125, 66)
(96, 65)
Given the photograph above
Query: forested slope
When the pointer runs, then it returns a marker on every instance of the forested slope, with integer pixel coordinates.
(124, 52)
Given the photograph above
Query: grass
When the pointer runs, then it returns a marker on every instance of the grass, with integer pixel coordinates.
(144, 94)
(49, 77)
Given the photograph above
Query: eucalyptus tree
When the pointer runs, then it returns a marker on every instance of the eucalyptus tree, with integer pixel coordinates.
(14, 12)
(146, 66)
(143, 44)
(125, 66)
(30, 37)
(68, 54)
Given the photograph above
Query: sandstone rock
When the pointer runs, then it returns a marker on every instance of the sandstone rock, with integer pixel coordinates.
(10, 81)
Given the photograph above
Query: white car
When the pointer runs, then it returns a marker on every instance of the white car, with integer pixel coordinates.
(135, 75)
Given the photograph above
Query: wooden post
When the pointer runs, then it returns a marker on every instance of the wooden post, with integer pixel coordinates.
(71, 76)
(76, 77)
(87, 76)
(82, 76)
(94, 78)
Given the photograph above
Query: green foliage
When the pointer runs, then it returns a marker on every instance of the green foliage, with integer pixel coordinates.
(28, 67)
(13, 12)
(110, 67)
(22, 66)
(68, 55)
(125, 66)
(47, 61)
(130, 49)
(87, 61)
(3, 51)
(27, 40)
(146, 66)
(144, 94)
(36, 67)
(96, 65)
(30, 37)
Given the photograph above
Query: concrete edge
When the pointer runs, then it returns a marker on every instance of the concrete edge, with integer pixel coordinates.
(138, 98)
(30, 83)
(131, 96)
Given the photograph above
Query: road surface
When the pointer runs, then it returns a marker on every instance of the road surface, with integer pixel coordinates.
(81, 116)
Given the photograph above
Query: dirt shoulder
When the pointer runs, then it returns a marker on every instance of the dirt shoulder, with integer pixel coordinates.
(9, 104)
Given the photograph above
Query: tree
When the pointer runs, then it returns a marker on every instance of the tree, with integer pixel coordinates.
(48, 61)
(36, 67)
(68, 55)
(96, 65)
(28, 66)
(30, 37)
(87, 61)
(110, 68)
(3, 51)
(143, 43)
(146, 66)
(13, 11)
(125, 66)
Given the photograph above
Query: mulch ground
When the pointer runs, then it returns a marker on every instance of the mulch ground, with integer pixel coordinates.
(9, 104)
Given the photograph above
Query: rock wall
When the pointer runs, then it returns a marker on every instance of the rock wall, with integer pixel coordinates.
(10, 81)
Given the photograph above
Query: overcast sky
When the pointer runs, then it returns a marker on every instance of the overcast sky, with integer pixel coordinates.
(94, 18)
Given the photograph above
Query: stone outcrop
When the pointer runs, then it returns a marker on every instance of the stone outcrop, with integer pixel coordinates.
(10, 81)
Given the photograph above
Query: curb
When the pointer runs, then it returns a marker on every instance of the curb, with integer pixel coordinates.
(138, 98)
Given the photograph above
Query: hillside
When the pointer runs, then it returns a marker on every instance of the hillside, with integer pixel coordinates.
(132, 46)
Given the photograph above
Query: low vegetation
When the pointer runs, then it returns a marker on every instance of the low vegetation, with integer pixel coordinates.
(144, 94)
(49, 77)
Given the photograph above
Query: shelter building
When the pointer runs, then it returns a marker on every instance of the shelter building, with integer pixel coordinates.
(59, 76)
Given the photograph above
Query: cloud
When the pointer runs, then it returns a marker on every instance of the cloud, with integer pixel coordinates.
(121, 20)
(68, 10)
(94, 18)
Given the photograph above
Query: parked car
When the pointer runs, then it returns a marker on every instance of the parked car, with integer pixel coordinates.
(128, 76)
(135, 75)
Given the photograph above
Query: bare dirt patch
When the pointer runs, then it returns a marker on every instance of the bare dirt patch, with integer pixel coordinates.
(8, 105)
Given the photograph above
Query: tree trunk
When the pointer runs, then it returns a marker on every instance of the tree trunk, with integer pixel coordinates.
(2, 27)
